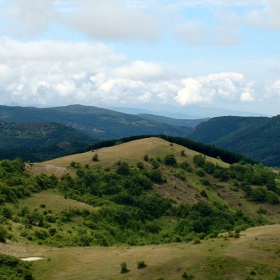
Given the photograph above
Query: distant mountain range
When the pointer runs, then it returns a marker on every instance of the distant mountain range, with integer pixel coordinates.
(101, 123)
(186, 112)
(79, 126)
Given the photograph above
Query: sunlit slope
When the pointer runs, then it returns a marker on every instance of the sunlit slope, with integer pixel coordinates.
(131, 152)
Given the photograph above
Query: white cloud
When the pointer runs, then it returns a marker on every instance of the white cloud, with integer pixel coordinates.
(266, 16)
(113, 19)
(65, 88)
(276, 87)
(247, 97)
(141, 70)
(25, 17)
(207, 89)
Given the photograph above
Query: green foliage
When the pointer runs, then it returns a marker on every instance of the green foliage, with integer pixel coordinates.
(187, 277)
(170, 160)
(200, 172)
(146, 157)
(186, 166)
(123, 168)
(129, 210)
(254, 137)
(95, 157)
(141, 265)
(199, 160)
(13, 268)
(3, 234)
(124, 268)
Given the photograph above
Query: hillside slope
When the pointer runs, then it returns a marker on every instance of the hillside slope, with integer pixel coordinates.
(151, 202)
(98, 122)
(254, 137)
(40, 141)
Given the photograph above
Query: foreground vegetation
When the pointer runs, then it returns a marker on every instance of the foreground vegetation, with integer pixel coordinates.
(123, 196)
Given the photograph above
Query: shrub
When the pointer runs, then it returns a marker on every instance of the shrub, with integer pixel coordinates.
(200, 172)
(196, 240)
(95, 157)
(170, 160)
(140, 165)
(3, 234)
(272, 197)
(141, 265)
(199, 160)
(203, 193)
(124, 268)
(186, 276)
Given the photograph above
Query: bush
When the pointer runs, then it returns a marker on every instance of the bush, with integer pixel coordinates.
(186, 276)
(124, 268)
(95, 157)
(141, 265)
(170, 160)
(271, 197)
(13, 268)
(199, 160)
(3, 234)
(200, 172)
(146, 157)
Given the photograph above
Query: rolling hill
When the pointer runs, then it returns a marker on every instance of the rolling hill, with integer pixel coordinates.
(254, 137)
(40, 141)
(97, 122)
(178, 213)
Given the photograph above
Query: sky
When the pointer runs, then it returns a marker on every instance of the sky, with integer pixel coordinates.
(132, 53)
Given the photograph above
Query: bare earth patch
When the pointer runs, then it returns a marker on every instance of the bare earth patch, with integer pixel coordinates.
(31, 259)
(47, 168)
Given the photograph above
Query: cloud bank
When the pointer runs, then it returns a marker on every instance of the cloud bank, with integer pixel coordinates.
(57, 73)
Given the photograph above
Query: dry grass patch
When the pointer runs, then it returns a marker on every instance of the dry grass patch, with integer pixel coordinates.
(53, 201)
(212, 259)
(131, 152)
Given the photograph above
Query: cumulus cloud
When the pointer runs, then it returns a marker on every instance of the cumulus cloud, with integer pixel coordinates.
(57, 73)
(275, 87)
(247, 97)
(206, 89)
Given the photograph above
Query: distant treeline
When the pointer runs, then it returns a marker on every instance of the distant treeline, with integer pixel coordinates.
(208, 150)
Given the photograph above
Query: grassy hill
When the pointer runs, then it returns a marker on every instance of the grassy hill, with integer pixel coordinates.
(254, 137)
(148, 201)
(100, 123)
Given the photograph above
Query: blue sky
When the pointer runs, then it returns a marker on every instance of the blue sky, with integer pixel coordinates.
(132, 53)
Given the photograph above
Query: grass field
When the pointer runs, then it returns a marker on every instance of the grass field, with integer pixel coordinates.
(255, 255)
(131, 152)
